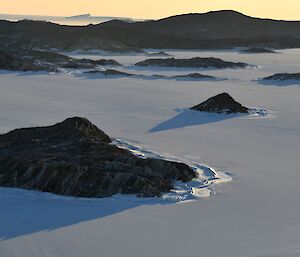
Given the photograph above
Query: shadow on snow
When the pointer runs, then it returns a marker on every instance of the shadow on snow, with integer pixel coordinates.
(187, 118)
(25, 212)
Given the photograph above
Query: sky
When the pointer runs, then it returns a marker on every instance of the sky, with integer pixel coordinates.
(151, 9)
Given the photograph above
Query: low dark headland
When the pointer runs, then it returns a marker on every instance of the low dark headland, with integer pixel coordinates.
(76, 158)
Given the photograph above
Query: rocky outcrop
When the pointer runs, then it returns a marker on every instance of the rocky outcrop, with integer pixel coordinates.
(196, 62)
(87, 63)
(284, 76)
(258, 50)
(109, 72)
(76, 158)
(29, 60)
(160, 53)
(222, 103)
(194, 76)
(115, 73)
(14, 62)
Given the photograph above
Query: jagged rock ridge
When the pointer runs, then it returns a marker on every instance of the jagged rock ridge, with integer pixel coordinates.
(76, 158)
(222, 103)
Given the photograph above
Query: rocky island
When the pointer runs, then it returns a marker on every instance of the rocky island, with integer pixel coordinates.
(258, 50)
(109, 72)
(283, 77)
(222, 103)
(116, 74)
(76, 158)
(196, 76)
(196, 62)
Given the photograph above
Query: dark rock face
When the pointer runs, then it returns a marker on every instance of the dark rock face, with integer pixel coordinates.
(75, 158)
(29, 60)
(284, 76)
(222, 103)
(258, 50)
(196, 62)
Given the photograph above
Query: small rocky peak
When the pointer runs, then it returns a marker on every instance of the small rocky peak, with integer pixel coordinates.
(222, 103)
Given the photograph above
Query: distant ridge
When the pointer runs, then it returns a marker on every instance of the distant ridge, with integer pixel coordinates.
(212, 30)
(81, 16)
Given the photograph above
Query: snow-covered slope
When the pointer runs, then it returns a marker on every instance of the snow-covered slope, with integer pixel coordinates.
(257, 214)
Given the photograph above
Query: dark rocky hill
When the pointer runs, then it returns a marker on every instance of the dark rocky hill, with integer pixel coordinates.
(76, 158)
(222, 103)
(221, 29)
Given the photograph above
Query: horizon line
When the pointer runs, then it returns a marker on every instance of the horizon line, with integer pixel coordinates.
(134, 18)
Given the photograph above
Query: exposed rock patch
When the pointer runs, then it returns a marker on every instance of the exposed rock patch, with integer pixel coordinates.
(109, 72)
(160, 53)
(222, 103)
(14, 62)
(284, 76)
(29, 60)
(194, 76)
(258, 50)
(76, 158)
(116, 73)
(196, 62)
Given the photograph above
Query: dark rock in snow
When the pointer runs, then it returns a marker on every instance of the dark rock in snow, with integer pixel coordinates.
(196, 62)
(160, 53)
(284, 76)
(258, 50)
(13, 61)
(76, 158)
(109, 72)
(222, 103)
(194, 76)
(32, 60)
